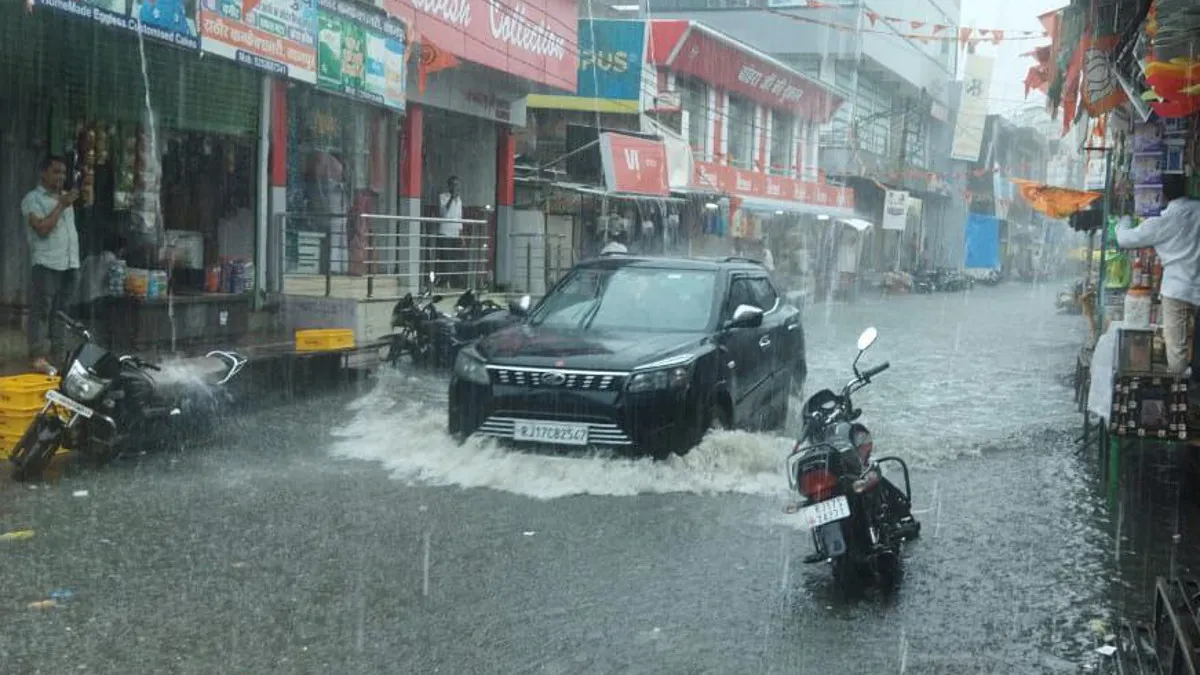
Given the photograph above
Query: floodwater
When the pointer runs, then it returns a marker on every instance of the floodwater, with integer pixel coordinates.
(349, 534)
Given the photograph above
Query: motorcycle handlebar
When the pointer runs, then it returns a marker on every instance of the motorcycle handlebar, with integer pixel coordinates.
(872, 372)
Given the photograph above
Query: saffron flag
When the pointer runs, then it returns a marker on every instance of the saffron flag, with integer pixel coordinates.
(433, 59)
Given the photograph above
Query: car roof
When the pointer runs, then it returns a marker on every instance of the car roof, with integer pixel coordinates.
(730, 263)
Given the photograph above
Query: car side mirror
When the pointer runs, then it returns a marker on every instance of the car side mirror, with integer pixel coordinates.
(746, 316)
(520, 306)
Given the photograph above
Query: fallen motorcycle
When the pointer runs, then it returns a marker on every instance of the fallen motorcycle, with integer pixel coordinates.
(107, 404)
(858, 518)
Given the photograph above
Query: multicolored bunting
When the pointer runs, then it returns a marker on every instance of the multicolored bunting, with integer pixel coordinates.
(935, 34)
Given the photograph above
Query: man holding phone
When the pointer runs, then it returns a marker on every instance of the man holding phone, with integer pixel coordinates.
(54, 254)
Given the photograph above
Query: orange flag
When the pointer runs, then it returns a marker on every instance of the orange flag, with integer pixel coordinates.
(432, 60)
(1055, 202)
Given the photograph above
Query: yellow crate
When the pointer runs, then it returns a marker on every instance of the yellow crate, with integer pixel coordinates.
(324, 339)
(22, 392)
(16, 421)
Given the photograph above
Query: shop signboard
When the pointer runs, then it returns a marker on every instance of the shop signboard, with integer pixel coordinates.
(895, 210)
(722, 179)
(360, 53)
(171, 21)
(278, 36)
(694, 49)
(973, 110)
(468, 91)
(634, 165)
(533, 39)
(611, 54)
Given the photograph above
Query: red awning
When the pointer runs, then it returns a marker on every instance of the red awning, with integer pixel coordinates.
(695, 49)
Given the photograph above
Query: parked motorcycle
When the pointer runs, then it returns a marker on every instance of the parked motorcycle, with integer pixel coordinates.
(107, 404)
(431, 337)
(859, 519)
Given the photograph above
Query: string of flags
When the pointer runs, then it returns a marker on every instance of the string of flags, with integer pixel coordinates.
(933, 32)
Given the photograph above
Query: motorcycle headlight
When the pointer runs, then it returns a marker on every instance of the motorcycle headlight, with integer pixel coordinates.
(469, 366)
(678, 377)
(81, 385)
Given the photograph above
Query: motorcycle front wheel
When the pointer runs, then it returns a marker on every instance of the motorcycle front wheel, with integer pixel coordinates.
(37, 447)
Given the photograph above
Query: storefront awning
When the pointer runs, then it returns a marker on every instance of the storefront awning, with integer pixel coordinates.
(857, 223)
(801, 208)
(596, 190)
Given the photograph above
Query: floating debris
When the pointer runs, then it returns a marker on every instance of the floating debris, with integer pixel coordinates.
(16, 535)
(80, 493)
(43, 604)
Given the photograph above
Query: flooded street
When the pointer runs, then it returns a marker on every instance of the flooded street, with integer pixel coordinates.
(348, 534)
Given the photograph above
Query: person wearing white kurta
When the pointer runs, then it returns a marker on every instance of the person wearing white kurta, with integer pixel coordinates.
(1175, 236)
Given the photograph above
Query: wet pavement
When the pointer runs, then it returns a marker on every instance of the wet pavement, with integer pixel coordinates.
(347, 534)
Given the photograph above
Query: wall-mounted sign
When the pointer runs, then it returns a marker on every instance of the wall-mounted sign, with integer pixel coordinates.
(723, 179)
(532, 39)
(634, 165)
(278, 36)
(895, 210)
(360, 53)
(468, 91)
(611, 55)
(173, 22)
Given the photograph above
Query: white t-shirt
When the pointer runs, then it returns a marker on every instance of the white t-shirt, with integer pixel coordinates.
(451, 209)
(1175, 236)
(614, 247)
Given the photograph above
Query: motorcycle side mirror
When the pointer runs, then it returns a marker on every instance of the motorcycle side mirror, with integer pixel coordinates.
(521, 305)
(865, 341)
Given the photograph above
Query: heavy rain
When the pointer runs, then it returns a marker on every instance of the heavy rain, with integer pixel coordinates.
(567, 336)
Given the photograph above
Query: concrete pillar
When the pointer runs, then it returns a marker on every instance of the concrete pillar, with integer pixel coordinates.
(506, 148)
(411, 144)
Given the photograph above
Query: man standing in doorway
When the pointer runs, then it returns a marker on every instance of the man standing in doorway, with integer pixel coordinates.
(450, 240)
(54, 254)
(1175, 236)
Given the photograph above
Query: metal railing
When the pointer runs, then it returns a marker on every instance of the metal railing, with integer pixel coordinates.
(391, 254)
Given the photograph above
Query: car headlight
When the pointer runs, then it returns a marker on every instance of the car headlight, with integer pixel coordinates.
(469, 366)
(82, 385)
(678, 377)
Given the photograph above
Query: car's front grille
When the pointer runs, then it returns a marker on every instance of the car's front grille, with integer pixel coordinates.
(547, 378)
(599, 433)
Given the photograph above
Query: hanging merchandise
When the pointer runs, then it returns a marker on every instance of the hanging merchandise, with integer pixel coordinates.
(1173, 87)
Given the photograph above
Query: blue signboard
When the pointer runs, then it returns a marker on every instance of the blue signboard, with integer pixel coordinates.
(173, 21)
(611, 54)
(982, 242)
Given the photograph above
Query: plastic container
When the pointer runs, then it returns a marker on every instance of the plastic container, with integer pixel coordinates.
(324, 339)
(116, 278)
(157, 286)
(14, 421)
(22, 392)
(137, 282)
(1137, 308)
(212, 278)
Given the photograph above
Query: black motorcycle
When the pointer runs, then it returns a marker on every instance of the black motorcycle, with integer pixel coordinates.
(107, 404)
(431, 337)
(859, 519)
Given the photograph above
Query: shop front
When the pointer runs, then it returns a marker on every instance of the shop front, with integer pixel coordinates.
(477, 61)
(163, 147)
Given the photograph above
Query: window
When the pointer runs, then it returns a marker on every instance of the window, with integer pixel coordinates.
(764, 293)
(916, 141)
(873, 118)
(693, 96)
(741, 292)
(783, 143)
(741, 116)
(630, 298)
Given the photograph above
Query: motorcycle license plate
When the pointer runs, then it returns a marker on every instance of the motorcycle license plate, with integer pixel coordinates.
(65, 402)
(828, 511)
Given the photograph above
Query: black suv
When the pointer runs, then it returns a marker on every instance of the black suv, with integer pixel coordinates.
(642, 355)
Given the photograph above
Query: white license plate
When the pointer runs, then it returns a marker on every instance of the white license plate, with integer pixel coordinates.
(551, 432)
(65, 402)
(828, 511)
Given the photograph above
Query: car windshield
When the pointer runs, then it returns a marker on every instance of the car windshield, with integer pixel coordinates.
(631, 298)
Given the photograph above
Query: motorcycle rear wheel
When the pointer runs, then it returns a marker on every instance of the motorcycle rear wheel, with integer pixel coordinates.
(36, 448)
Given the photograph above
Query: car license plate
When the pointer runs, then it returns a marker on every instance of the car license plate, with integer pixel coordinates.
(551, 432)
(68, 403)
(828, 511)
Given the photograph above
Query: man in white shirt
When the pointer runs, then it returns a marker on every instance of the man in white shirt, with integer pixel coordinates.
(450, 239)
(54, 254)
(1175, 236)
